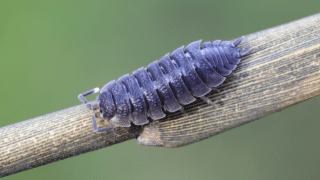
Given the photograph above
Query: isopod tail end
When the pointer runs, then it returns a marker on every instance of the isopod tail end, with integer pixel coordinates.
(237, 42)
(244, 52)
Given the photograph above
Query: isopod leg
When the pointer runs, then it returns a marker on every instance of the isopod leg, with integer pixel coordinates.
(183, 111)
(207, 100)
(95, 128)
(216, 89)
(82, 98)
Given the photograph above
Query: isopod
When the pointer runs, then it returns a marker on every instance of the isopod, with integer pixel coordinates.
(165, 84)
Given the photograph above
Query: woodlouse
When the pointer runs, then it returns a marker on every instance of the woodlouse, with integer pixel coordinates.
(174, 80)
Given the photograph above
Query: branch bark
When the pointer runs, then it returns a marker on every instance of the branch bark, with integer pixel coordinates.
(281, 70)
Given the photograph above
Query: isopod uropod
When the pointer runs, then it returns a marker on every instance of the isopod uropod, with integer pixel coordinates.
(165, 84)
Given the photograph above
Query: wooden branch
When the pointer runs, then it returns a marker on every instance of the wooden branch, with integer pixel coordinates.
(282, 70)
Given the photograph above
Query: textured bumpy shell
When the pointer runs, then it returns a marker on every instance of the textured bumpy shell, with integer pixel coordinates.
(173, 80)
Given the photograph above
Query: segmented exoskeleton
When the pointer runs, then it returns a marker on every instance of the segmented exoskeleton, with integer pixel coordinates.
(166, 84)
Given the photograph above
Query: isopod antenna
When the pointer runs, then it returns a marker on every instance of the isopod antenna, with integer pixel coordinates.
(82, 98)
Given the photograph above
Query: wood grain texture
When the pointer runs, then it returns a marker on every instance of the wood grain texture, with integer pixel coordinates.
(281, 70)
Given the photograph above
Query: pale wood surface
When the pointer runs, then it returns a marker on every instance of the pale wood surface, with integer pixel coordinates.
(281, 70)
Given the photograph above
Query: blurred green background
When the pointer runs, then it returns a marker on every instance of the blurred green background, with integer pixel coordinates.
(50, 51)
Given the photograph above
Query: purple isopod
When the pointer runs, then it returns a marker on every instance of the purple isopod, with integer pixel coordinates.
(165, 84)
